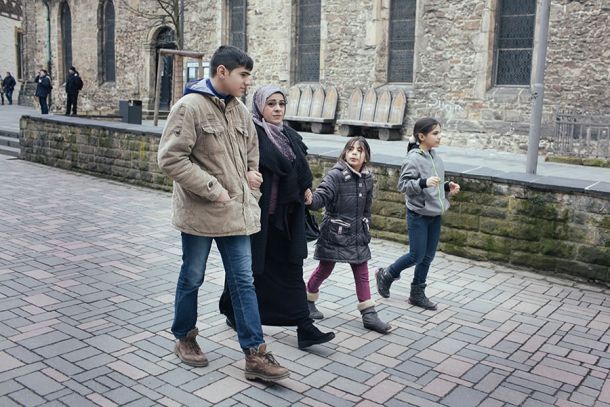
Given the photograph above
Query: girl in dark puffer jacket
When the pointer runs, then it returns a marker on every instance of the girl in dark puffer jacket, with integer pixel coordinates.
(346, 193)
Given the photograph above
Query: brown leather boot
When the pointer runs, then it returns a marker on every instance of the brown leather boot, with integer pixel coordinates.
(188, 350)
(261, 364)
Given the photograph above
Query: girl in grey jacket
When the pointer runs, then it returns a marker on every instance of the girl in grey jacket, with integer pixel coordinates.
(346, 193)
(422, 179)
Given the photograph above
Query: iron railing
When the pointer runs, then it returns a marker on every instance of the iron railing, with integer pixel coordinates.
(581, 135)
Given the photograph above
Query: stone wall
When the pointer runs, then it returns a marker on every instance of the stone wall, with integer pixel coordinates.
(544, 226)
(120, 151)
(454, 53)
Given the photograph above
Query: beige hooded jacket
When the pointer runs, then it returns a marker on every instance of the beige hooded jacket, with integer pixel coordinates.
(206, 147)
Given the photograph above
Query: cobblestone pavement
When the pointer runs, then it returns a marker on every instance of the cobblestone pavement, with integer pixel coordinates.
(87, 273)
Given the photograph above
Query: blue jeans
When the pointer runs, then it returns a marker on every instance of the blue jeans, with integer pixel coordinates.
(9, 96)
(237, 260)
(424, 233)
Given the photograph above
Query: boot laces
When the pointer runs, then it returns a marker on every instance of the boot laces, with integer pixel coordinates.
(192, 345)
(271, 359)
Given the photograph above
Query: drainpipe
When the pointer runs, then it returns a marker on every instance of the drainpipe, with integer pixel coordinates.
(49, 54)
(46, 3)
(538, 91)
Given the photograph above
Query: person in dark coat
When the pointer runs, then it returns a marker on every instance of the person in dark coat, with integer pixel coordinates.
(74, 84)
(346, 193)
(43, 89)
(8, 86)
(279, 248)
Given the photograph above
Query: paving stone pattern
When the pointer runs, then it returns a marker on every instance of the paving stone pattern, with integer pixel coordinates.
(87, 274)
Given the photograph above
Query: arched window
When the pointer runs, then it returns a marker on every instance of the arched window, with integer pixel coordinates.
(237, 23)
(401, 42)
(107, 42)
(166, 38)
(66, 36)
(308, 41)
(515, 23)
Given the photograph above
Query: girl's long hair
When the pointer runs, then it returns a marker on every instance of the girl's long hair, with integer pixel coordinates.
(424, 126)
(363, 143)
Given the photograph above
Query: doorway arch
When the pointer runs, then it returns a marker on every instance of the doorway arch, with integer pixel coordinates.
(165, 38)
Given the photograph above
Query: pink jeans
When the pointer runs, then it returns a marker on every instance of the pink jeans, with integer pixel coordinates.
(361, 278)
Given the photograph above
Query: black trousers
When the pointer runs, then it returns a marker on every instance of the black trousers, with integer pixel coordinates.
(72, 103)
(44, 107)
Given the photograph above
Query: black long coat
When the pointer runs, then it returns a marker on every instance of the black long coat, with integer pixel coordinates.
(280, 247)
(43, 87)
(344, 232)
(73, 84)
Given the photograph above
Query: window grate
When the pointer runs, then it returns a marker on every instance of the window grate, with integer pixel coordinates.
(308, 41)
(237, 23)
(515, 23)
(108, 52)
(401, 42)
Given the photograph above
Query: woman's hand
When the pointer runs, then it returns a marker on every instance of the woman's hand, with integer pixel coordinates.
(308, 196)
(454, 188)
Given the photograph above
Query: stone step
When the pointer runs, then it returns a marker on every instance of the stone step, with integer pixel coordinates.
(9, 133)
(9, 141)
(12, 151)
(150, 114)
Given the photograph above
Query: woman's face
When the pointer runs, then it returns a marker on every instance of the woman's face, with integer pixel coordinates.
(275, 108)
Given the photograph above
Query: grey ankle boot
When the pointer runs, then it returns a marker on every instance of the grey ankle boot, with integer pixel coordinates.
(371, 320)
(314, 313)
(384, 281)
(419, 299)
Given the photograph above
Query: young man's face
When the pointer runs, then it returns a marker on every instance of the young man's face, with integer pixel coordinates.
(235, 82)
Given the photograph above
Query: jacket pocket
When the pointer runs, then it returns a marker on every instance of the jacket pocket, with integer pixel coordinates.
(366, 230)
(212, 143)
(340, 233)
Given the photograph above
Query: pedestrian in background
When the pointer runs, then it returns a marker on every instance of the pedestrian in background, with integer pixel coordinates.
(74, 84)
(422, 180)
(43, 89)
(8, 86)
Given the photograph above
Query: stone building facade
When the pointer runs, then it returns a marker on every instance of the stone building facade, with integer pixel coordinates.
(11, 36)
(467, 62)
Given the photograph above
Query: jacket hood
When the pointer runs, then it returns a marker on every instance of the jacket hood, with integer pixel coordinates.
(198, 86)
(342, 166)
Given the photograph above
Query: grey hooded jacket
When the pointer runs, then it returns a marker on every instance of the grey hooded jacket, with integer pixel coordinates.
(419, 166)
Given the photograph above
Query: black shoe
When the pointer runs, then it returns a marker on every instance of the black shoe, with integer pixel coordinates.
(419, 299)
(384, 282)
(309, 334)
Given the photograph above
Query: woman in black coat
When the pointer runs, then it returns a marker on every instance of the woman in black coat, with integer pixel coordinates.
(279, 248)
(43, 88)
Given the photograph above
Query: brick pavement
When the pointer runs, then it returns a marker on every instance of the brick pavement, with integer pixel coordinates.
(87, 273)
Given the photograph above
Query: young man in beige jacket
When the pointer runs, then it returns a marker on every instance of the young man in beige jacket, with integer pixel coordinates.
(209, 147)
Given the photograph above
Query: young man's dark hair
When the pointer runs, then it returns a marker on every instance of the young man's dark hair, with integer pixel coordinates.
(230, 57)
